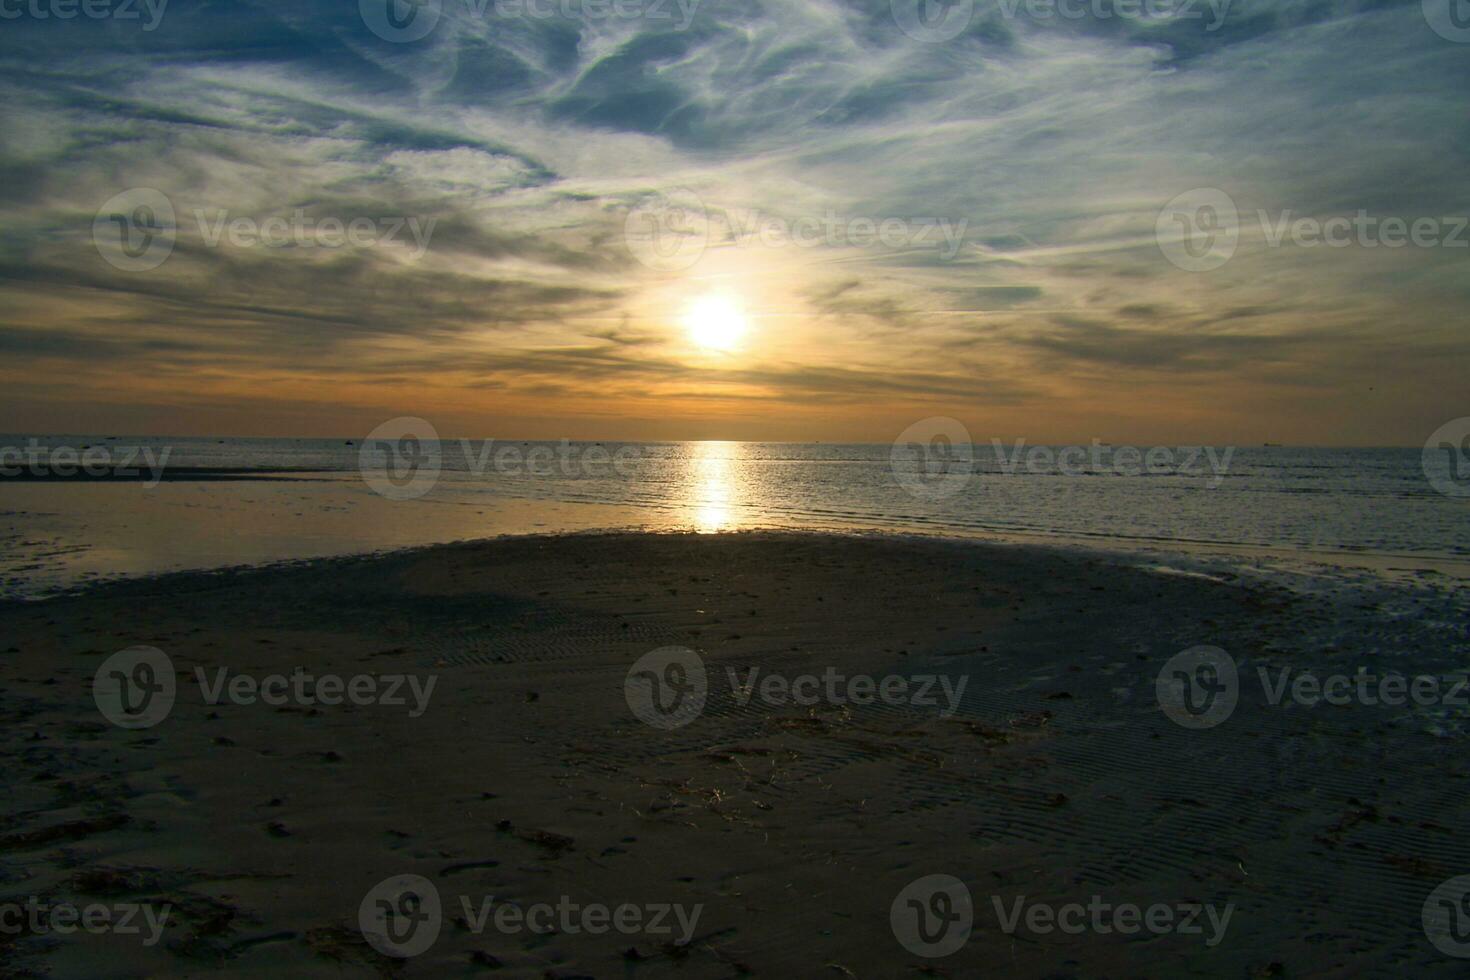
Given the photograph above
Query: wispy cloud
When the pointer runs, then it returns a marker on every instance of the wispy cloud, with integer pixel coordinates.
(526, 140)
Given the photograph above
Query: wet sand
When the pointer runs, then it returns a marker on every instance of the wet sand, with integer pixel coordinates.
(793, 828)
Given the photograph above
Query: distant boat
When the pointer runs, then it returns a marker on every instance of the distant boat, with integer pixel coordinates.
(1271, 445)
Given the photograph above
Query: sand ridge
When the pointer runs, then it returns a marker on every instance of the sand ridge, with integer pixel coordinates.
(791, 827)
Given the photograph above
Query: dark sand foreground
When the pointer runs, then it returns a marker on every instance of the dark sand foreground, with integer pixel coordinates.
(793, 828)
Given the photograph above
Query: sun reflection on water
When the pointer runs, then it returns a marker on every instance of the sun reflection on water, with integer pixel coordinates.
(712, 485)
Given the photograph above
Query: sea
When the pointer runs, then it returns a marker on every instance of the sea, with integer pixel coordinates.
(76, 509)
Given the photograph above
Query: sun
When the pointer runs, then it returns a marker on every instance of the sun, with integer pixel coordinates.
(715, 323)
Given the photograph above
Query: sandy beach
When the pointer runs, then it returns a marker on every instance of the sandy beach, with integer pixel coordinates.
(496, 746)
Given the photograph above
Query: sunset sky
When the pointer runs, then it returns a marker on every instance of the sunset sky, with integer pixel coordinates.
(1019, 168)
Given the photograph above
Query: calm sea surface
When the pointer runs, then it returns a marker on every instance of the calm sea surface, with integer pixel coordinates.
(341, 497)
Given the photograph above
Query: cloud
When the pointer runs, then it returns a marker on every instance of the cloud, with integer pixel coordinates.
(1052, 143)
